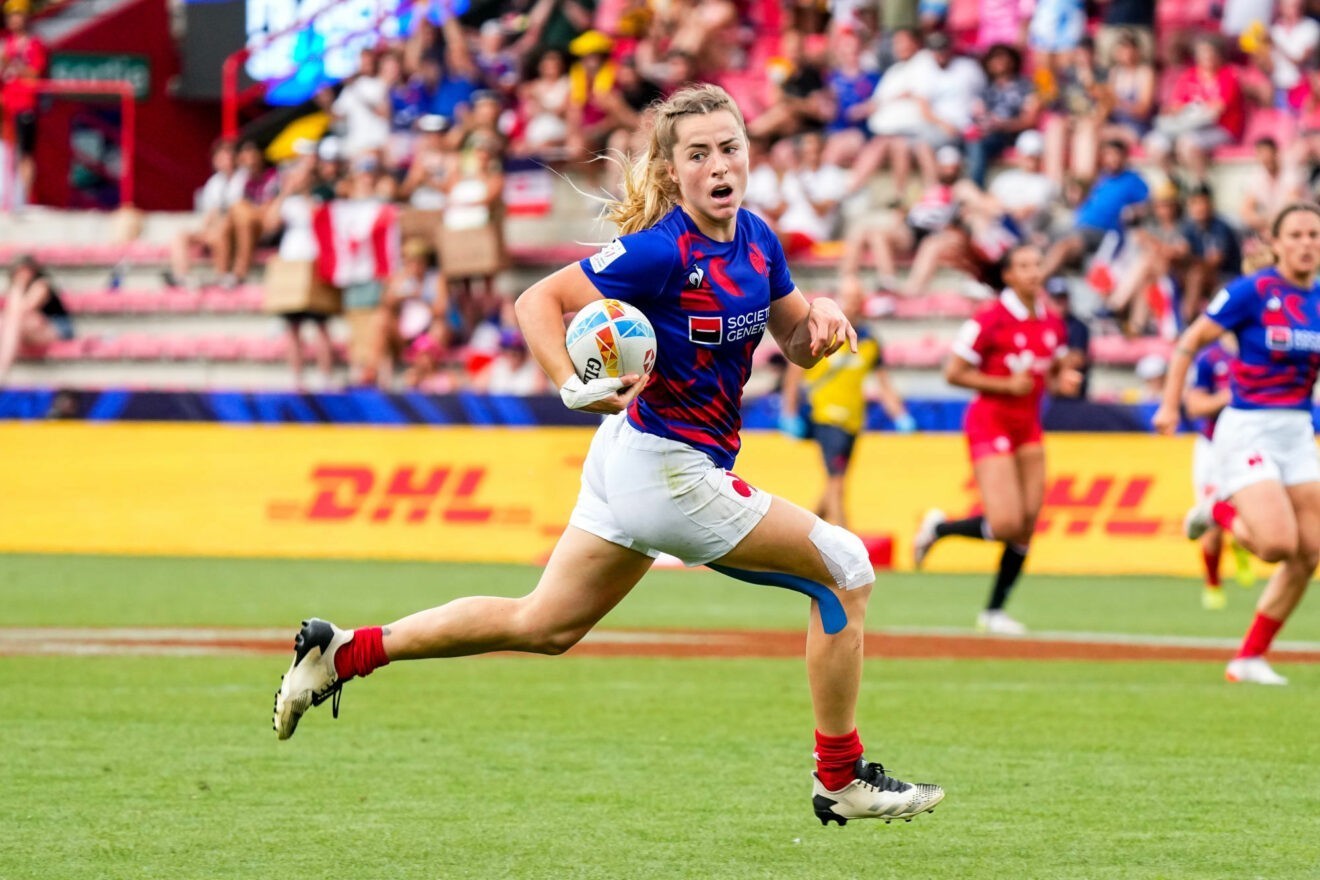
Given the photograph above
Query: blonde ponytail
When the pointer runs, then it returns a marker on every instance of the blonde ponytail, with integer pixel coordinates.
(648, 191)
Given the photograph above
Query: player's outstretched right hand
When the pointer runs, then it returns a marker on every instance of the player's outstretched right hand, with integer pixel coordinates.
(1165, 420)
(606, 396)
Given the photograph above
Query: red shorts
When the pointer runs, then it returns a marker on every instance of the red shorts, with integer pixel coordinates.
(994, 430)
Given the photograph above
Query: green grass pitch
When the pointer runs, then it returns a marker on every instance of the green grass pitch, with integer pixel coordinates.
(588, 767)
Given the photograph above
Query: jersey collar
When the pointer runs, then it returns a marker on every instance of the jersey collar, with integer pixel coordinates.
(1017, 308)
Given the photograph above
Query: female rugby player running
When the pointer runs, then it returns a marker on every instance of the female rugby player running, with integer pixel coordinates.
(711, 278)
(1264, 446)
(1205, 398)
(1009, 354)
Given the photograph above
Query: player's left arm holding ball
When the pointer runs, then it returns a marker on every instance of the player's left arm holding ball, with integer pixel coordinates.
(541, 310)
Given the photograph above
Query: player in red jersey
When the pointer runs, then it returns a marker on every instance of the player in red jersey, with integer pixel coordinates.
(1008, 354)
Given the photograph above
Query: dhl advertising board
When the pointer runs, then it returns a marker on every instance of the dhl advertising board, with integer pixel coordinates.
(1114, 502)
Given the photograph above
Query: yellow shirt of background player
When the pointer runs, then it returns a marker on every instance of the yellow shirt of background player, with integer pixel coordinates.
(836, 385)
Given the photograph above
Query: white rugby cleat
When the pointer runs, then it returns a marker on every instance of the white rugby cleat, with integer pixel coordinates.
(925, 538)
(311, 679)
(873, 795)
(1198, 519)
(997, 623)
(1253, 670)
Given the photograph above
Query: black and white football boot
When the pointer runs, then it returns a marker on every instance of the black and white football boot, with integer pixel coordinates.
(311, 679)
(873, 795)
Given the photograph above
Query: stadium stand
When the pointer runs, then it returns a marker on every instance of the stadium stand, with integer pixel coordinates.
(433, 122)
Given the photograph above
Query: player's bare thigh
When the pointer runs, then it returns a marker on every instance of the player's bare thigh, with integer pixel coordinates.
(781, 542)
(584, 579)
(1266, 510)
(1031, 472)
(1002, 496)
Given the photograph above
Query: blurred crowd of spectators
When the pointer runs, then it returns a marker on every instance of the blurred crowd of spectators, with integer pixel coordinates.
(1056, 96)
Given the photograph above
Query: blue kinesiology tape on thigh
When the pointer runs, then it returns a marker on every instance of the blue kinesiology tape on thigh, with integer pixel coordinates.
(832, 616)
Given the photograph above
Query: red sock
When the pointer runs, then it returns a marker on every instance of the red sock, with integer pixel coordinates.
(363, 654)
(1211, 566)
(1262, 633)
(1224, 513)
(836, 759)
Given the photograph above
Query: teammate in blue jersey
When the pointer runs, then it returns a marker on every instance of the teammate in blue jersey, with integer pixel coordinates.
(712, 279)
(1204, 400)
(1268, 495)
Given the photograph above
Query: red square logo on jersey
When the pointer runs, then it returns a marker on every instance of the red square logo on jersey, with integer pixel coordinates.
(1278, 338)
(705, 331)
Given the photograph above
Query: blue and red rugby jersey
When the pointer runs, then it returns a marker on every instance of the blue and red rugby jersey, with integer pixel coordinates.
(1278, 330)
(1211, 373)
(709, 302)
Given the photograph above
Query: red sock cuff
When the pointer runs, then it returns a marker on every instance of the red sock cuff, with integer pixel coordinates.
(364, 654)
(1211, 568)
(1260, 636)
(1224, 513)
(836, 758)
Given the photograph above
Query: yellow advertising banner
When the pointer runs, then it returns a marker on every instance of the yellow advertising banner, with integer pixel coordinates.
(1114, 503)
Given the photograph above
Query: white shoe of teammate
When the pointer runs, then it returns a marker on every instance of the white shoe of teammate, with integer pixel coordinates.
(925, 538)
(997, 623)
(1198, 519)
(873, 795)
(1253, 670)
(311, 679)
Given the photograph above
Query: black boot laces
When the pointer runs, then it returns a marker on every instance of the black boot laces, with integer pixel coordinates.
(335, 690)
(873, 774)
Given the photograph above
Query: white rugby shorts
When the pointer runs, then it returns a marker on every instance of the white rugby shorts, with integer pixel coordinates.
(1253, 445)
(1205, 477)
(656, 495)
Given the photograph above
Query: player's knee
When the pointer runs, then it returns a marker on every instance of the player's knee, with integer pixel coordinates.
(1273, 550)
(844, 555)
(1307, 557)
(1009, 529)
(535, 635)
(553, 641)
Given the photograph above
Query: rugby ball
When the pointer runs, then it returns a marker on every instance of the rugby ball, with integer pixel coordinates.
(608, 339)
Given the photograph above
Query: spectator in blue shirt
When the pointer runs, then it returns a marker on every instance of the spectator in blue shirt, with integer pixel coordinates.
(1116, 198)
(850, 87)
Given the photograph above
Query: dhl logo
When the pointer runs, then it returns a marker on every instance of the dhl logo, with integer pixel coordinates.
(1074, 507)
(409, 493)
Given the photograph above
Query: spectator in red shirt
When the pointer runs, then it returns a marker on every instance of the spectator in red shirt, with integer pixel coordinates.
(1206, 110)
(23, 59)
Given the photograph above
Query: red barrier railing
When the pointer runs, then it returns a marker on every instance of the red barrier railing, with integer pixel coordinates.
(232, 100)
(81, 88)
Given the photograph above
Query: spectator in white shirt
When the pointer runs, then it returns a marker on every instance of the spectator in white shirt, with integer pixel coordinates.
(950, 88)
(364, 109)
(1024, 192)
(291, 212)
(1294, 39)
(811, 196)
(222, 190)
(767, 168)
(893, 117)
(1237, 15)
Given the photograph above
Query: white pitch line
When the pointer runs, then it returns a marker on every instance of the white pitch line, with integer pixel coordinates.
(209, 640)
(1094, 638)
(146, 633)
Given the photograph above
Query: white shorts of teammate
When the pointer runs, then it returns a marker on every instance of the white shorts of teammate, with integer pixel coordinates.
(1251, 446)
(1205, 476)
(656, 495)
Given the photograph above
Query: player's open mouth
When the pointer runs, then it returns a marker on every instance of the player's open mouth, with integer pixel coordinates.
(722, 193)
